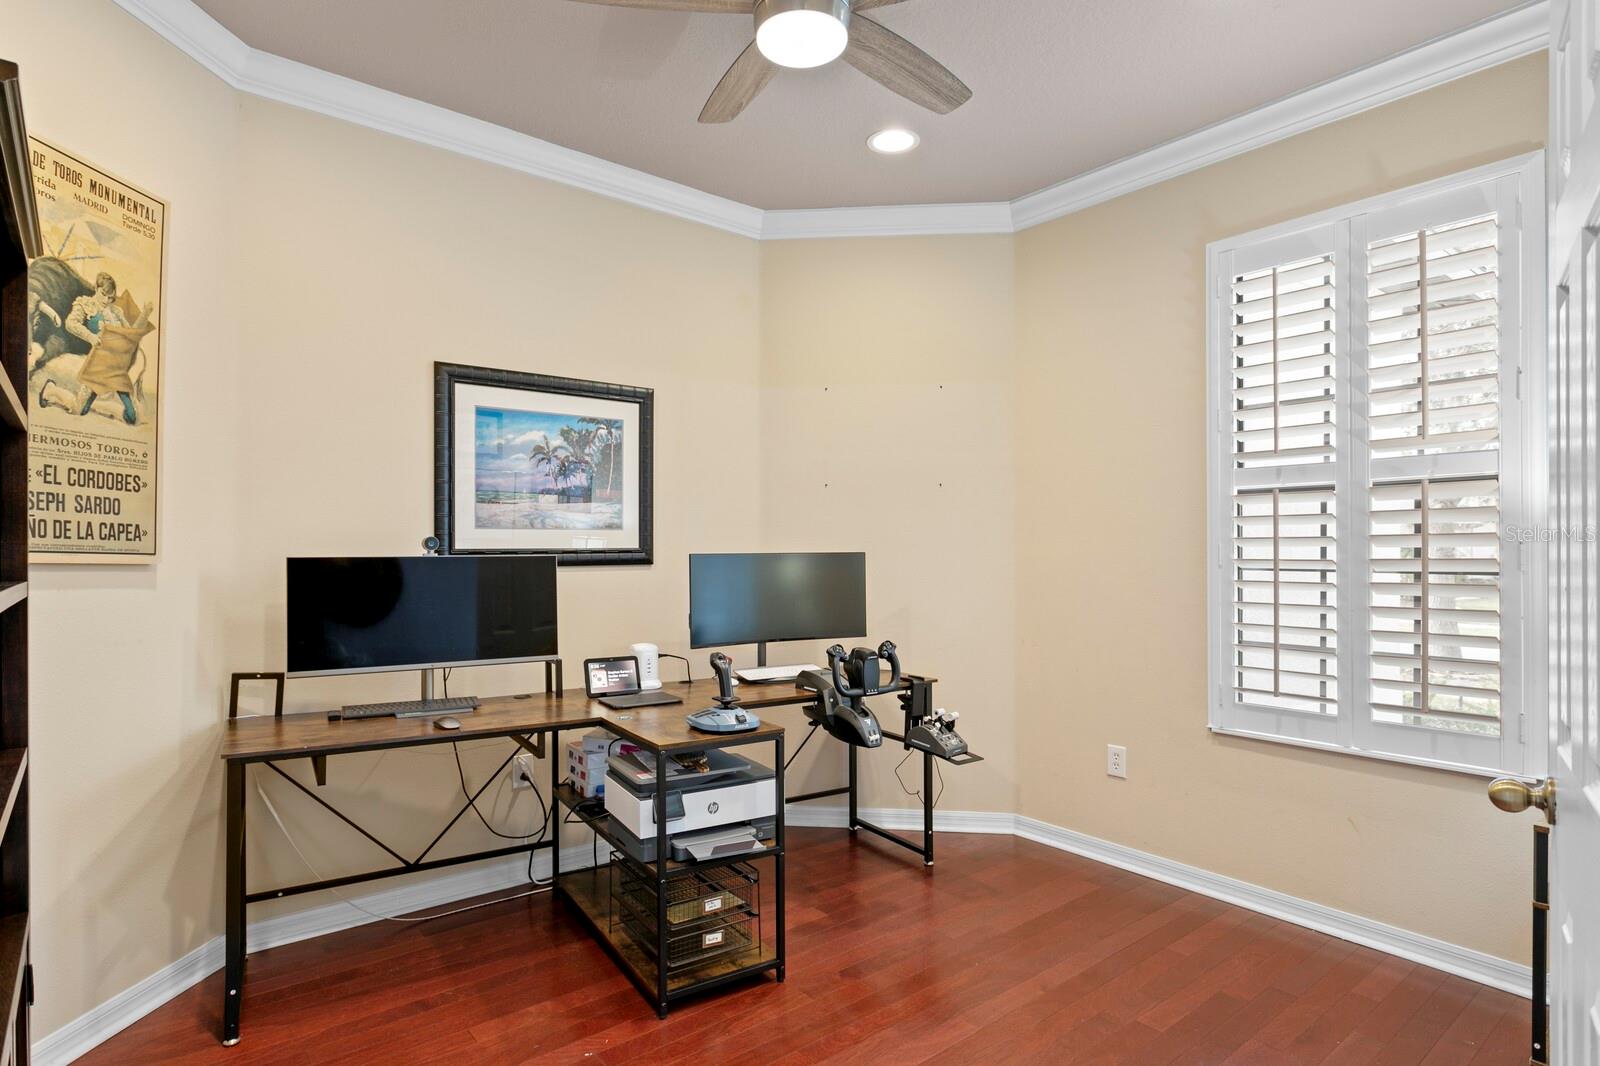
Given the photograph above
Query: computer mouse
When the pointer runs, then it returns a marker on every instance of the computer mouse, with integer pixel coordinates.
(447, 723)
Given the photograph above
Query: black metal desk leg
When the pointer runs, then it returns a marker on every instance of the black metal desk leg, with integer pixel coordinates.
(852, 749)
(927, 809)
(233, 904)
(663, 852)
(777, 756)
(555, 810)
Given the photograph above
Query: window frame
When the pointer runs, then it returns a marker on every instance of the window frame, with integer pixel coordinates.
(1515, 189)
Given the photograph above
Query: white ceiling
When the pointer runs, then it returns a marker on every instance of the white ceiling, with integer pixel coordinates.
(1060, 86)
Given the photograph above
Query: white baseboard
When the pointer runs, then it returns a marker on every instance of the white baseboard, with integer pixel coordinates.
(831, 817)
(1425, 950)
(122, 1010)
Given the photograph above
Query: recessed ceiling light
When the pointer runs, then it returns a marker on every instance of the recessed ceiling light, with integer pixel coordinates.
(802, 33)
(893, 141)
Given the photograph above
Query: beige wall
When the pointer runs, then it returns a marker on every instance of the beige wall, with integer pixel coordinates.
(886, 423)
(1111, 543)
(317, 272)
(935, 402)
(382, 257)
(126, 660)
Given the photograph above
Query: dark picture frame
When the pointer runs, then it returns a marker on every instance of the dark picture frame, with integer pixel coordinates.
(568, 478)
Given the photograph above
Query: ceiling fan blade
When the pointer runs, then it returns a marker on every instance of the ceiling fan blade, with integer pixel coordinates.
(868, 5)
(747, 77)
(721, 7)
(896, 63)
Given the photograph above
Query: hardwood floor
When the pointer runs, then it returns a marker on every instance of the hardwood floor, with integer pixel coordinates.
(1006, 951)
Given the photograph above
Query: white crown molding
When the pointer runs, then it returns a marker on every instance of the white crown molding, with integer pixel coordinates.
(272, 77)
(122, 1010)
(195, 33)
(917, 220)
(1519, 32)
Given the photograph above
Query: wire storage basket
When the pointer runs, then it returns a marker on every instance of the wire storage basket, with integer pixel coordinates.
(712, 911)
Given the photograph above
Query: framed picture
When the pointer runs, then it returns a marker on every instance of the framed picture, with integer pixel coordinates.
(95, 303)
(533, 463)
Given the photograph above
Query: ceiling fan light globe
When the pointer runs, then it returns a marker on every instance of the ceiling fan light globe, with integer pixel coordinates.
(802, 33)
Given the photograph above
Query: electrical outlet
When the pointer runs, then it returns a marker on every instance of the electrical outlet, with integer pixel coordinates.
(522, 772)
(1116, 760)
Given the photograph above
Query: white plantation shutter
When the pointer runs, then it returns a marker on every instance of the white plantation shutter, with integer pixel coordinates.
(1369, 440)
(1283, 364)
(1285, 639)
(1435, 604)
(1433, 339)
(1282, 550)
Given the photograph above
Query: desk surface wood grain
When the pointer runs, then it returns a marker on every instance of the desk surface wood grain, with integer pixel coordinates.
(267, 737)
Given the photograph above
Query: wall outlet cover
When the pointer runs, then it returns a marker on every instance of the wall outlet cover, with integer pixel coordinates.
(1116, 760)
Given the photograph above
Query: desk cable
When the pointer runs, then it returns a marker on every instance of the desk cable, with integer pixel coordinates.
(374, 914)
(688, 673)
(544, 823)
(461, 774)
(938, 771)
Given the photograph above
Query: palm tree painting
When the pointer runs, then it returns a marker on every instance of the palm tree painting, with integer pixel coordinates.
(547, 470)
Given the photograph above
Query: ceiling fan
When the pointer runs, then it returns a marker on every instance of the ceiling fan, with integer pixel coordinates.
(811, 33)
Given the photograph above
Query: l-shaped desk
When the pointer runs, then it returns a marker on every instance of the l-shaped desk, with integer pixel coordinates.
(529, 721)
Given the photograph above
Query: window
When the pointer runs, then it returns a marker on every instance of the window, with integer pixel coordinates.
(1377, 476)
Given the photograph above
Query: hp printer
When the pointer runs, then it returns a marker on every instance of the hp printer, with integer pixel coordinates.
(729, 791)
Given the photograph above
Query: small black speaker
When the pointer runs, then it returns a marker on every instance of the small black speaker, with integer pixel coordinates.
(431, 545)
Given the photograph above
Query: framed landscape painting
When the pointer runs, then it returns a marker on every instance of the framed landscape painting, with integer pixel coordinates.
(533, 463)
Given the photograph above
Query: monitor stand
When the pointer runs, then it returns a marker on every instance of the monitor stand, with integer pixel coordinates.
(772, 675)
(552, 676)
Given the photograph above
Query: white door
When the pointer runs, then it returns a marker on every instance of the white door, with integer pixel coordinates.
(1574, 758)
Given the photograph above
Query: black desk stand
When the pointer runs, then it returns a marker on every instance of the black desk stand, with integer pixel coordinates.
(857, 822)
(237, 897)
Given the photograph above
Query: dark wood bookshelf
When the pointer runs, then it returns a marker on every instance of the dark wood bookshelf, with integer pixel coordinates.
(12, 412)
(19, 242)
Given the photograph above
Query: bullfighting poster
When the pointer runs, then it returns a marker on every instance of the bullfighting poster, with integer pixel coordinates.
(94, 365)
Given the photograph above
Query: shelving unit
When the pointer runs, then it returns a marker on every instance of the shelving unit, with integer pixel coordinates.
(19, 242)
(637, 942)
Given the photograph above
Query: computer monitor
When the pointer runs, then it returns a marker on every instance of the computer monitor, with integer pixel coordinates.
(365, 615)
(753, 599)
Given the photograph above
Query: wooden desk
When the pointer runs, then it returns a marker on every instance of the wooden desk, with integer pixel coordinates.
(304, 735)
(268, 740)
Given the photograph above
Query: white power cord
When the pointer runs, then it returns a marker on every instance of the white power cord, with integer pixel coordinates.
(374, 914)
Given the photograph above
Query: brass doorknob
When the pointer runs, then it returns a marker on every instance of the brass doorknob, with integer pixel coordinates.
(1512, 795)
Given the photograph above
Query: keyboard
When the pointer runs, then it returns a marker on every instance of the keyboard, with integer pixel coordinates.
(410, 708)
(766, 675)
(655, 698)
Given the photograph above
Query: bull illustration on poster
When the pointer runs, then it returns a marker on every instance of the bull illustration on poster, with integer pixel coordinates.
(94, 365)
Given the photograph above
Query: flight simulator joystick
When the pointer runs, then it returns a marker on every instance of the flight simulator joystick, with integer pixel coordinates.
(854, 677)
(726, 716)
